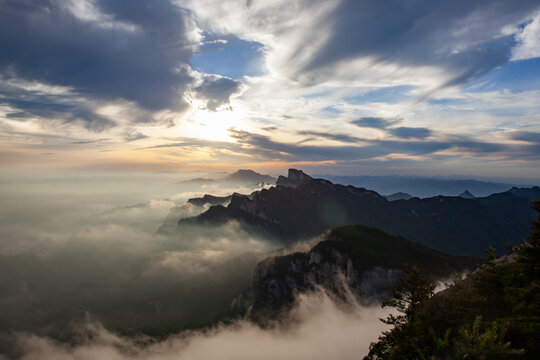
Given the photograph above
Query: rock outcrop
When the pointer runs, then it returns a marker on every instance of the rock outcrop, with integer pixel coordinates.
(351, 261)
(209, 199)
(294, 178)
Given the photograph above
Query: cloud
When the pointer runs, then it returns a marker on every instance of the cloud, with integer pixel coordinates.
(83, 142)
(130, 66)
(481, 147)
(528, 136)
(133, 135)
(316, 328)
(264, 146)
(217, 90)
(74, 243)
(332, 136)
(62, 108)
(461, 37)
(369, 43)
(528, 40)
(410, 132)
(257, 147)
(374, 122)
(106, 50)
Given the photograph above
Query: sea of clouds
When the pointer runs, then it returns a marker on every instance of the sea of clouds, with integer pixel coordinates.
(84, 273)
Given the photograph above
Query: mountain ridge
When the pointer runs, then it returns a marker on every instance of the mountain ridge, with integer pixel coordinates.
(352, 259)
(455, 225)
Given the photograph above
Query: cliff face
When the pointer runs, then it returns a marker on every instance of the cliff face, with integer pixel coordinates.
(277, 280)
(353, 260)
(294, 178)
(300, 207)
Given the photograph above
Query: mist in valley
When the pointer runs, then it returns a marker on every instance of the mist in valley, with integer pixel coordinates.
(82, 261)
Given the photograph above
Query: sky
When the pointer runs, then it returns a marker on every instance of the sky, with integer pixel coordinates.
(353, 87)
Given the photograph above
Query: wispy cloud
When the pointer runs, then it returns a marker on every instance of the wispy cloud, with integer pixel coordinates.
(528, 136)
(374, 122)
(332, 136)
(410, 132)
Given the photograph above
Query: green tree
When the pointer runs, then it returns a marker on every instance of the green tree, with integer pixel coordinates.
(479, 342)
(410, 291)
(493, 313)
(405, 340)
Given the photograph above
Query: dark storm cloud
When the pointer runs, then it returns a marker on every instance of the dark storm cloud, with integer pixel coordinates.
(30, 105)
(528, 136)
(374, 122)
(217, 90)
(410, 132)
(462, 36)
(130, 50)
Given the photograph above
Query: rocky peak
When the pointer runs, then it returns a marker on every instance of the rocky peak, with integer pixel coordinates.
(294, 178)
(467, 195)
(239, 201)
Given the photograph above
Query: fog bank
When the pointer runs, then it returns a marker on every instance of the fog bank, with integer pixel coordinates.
(316, 328)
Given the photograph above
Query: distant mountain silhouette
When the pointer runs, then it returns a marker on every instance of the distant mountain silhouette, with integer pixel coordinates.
(250, 177)
(398, 196)
(420, 186)
(466, 195)
(452, 224)
(242, 176)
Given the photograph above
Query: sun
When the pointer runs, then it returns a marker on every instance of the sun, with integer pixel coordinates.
(213, 125)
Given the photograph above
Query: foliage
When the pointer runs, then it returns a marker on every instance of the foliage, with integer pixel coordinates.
(408, 294)
(488, 344)
(493, 313)
(404, 340)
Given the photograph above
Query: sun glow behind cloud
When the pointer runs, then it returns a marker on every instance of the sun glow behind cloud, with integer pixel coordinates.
(204, 124)
(181, 75)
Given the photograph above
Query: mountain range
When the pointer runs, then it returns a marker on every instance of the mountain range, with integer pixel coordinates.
(300, 207)
(239, 177)
(423, 186)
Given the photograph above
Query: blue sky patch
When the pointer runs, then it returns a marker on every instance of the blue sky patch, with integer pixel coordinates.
(389, 95)
(516, 76)
(234, 59)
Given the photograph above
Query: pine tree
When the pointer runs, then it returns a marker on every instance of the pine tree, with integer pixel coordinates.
(405, 339)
